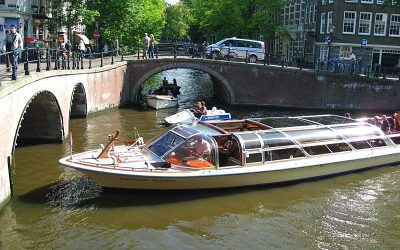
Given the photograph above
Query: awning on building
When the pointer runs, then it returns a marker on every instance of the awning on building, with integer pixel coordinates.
(78, 38)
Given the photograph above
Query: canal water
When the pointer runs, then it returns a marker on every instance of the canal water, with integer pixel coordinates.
(59, 208)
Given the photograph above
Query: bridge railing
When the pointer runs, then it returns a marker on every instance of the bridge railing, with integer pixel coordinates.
(38, 59)
(22, 62)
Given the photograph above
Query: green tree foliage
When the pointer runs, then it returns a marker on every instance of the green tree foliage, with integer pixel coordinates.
(127, 19)
(242, 18)
(66, 13)
(177, 19)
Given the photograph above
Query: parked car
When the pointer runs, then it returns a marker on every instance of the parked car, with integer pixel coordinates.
(235, 48)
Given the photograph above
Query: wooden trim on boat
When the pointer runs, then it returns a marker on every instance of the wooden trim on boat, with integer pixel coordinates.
(106, 149)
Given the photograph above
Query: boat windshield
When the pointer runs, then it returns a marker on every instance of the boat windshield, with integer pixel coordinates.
(197, 151)
(168, 141)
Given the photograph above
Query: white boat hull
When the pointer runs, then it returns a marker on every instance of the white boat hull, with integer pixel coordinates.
(162, 101)
(277, 172)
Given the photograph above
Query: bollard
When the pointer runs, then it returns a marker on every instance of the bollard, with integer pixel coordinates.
(269, 59)
(112, 57)
(138, 52)
(26, 65)
(368, 70)
(101, 59)
(156, 51)
(38, 60)
(247, 60)
(318, 61)
(122, 55)
(384, 73)
(47, 59)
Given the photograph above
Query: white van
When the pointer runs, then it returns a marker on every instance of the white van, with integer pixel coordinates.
(236, 48)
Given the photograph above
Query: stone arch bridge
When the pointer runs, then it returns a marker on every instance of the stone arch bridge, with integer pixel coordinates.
(39, 106)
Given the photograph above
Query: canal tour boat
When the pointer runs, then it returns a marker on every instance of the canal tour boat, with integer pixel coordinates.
(162, 101)
(236, 153)
(187, 116)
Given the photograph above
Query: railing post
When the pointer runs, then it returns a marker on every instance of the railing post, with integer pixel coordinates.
(112, 57)
(56, 59)
(38, 60)
(14, 66)
(101, 59)
(48, 59)
(175, 51)
(73, 60)
(81, 54)
(90, 57)
(68, 58)
(26, 65)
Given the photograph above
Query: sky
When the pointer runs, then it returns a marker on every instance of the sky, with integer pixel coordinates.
(171, 1)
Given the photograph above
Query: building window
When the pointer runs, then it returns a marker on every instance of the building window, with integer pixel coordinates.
(349, 22)
(367, 1)
(351, 1)
(380, 1)
(380, 24)
(394, 28)
(329, 21)
(2, 2)
(364, 24)
(331, 1)
(323, 2)
(322, 29)
(345, 52)
(323, 52)
(306, 19)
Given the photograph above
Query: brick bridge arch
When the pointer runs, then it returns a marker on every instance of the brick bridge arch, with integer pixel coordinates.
(147, 69)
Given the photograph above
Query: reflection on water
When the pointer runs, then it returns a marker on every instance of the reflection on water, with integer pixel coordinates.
(56, 207)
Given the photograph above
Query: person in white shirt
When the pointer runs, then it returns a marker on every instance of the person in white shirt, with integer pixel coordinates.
(13, 43)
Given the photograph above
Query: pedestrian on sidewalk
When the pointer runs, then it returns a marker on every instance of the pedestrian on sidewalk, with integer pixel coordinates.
(116, 46)
(152, 42)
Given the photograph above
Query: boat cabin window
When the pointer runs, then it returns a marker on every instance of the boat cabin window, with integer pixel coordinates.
(282, 154)
(395, 138)
(253, 157)
(198, 152)
(339, 147)
(168, 141)
(317, 150)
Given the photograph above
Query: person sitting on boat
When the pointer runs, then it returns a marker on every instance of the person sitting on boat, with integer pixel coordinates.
(199, 109)
(385, 124)
(165, 90)
(165, 82)
(175, 88)
(202, 148)
(396, 117)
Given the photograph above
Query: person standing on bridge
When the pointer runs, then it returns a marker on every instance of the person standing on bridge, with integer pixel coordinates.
(13, 42)
(146, 44)
(116, 46)
(152, 42)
